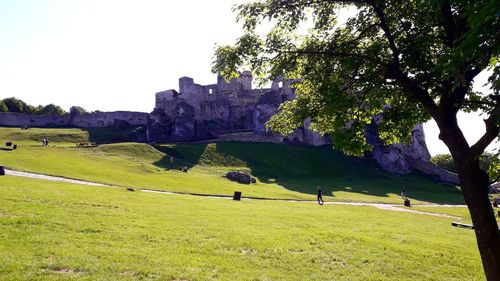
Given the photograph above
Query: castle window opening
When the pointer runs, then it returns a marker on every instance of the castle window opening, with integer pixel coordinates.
(210, 91)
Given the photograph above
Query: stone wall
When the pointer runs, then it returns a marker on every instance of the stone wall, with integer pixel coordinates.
(87, 120)
(198, 112)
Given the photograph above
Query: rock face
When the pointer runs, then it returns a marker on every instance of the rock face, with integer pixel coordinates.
(397, 158)
(201, 112)
(402, 159)
(239, 177)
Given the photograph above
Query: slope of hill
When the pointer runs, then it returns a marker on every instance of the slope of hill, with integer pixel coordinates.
(281, 171)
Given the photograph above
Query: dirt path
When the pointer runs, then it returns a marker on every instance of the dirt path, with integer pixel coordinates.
(50, 178)
(389, 207)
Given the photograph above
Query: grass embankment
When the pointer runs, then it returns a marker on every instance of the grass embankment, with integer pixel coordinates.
(64, 136)
(58, 231)
(281, 171)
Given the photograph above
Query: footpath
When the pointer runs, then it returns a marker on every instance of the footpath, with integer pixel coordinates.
(389, 207)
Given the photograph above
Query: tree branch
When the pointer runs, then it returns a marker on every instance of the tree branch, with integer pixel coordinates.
(383, 24)
(492, 132)
(420, 94)
(448, 22)
(341, 54)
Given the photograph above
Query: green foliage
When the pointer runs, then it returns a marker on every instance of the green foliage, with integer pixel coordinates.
(3, 107)
(489, 162)
(16, 105)
(391, 57)
(444, 161)
(77, 110)
(51, 109)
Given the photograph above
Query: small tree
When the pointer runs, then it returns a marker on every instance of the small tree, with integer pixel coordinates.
(3, 107)
(418, 57)
(17, 105)
(77, 110)
(51, 109)
(489, 162)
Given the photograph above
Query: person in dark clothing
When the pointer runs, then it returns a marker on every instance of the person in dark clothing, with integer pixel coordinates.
(403, 193)
(320, 196)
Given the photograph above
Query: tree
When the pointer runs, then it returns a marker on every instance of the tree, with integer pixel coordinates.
(3, 107)
(488, 162)
(77, 110)
(17, 105)
(410, 60)
(50, 109)
(444, 161)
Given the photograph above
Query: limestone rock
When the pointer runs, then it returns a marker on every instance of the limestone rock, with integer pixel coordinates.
(239, 177)
(397, 158)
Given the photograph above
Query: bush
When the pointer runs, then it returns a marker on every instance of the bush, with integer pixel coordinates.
(3, 107)
(489, 162)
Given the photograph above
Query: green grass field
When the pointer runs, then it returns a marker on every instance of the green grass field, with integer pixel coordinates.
(281, 171)
(64, 136)
(58, 231)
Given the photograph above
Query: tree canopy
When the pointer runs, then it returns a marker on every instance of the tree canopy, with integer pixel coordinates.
(77, 110)
(403, 58)
(16, 105)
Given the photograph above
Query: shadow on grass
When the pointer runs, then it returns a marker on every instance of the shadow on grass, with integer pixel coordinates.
(181, 157)
(301, 169)
(112, 134)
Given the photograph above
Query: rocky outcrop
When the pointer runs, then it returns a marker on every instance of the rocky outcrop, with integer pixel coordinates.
(239, 177)
(436, 172)
(397, 158)
(402, 159)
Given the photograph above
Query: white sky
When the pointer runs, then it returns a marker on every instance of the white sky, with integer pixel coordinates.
(115, 54)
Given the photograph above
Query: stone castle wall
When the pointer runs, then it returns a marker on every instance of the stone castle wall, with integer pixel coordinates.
(197, 112)
(86, 120)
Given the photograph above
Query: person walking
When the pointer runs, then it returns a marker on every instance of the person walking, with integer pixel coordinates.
(403, 193)
(320, 196)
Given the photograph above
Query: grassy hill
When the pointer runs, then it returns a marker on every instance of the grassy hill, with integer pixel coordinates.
(65, 136)
(281, 171)
(58, 231)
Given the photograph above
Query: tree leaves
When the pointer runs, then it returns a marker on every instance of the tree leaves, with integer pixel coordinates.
(405, 59)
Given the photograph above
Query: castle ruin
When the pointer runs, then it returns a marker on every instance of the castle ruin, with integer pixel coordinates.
(226, 110)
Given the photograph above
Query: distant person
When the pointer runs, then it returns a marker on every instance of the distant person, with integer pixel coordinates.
(171, 161)
(44, 142)
(320, 196)
(403, 193)
(185, 169)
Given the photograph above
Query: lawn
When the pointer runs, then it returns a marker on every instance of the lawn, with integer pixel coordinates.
(65, 136)
(461, 212)
(281, 171)
(58, 231)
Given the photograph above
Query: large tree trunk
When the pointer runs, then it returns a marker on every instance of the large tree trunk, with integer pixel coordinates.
(474, 183)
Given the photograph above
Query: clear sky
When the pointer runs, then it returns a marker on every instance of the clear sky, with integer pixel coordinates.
(115, 54)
